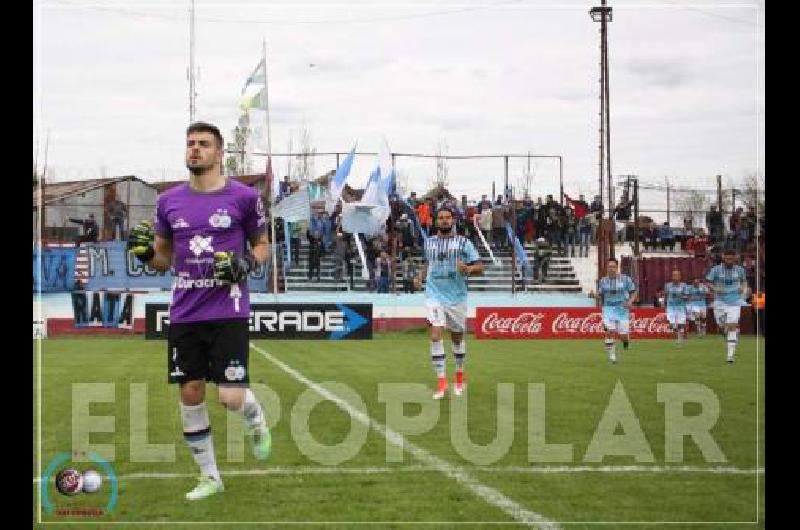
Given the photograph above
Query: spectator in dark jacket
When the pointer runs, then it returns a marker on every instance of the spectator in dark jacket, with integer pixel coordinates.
(667, 237)
(314, 253)
(715, 225)
(90, 229)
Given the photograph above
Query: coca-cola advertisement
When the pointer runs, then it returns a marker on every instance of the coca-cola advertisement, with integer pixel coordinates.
(563, 323)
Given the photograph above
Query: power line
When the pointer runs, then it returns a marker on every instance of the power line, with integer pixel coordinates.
(181, 18)
(750, 23)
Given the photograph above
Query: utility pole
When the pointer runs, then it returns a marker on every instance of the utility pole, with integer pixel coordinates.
(666, 179)
(192, 93)
(719, 193)
(635, 215)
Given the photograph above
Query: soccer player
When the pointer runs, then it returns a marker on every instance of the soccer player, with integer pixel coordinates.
(729, 284)
(676, 293)
(616, 293)
(449, 259)
(696, 308)
(200, 231)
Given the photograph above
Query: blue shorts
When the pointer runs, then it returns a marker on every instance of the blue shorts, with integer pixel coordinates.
(616, 318)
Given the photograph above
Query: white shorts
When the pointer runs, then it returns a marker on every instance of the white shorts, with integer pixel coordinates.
(617, 318)
(453, 317)
(695, 311)
(676, 316)
(726, 314)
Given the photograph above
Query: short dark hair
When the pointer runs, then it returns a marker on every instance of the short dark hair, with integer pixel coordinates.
(729, 251)
(201, 126)
(445, 208)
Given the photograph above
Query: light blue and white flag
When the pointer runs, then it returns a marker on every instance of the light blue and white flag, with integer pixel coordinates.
(338, 181)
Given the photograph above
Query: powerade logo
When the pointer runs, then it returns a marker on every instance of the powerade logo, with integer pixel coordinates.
(287, 321)
(338, 323)
(109, 487)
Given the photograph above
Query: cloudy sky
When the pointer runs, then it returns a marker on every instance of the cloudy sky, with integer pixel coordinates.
(482, 77)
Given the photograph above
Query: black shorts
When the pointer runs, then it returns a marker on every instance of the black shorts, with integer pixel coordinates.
(215, 351)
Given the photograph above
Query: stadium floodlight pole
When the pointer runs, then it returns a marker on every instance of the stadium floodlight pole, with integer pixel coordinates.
(602, 14)
(604, 29)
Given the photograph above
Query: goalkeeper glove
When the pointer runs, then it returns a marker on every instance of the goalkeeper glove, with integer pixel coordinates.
(140, 241)
(230, 267)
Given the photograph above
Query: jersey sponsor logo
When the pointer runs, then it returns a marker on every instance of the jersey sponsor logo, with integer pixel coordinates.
(197, 283)
(220, 219)
(180, 223)
(199, 244)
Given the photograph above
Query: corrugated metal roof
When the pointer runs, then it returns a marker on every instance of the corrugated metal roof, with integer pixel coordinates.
(56, 191)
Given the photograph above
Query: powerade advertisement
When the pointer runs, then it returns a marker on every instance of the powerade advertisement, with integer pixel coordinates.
(286, 321)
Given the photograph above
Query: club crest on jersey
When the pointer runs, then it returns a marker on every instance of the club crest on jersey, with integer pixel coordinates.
(199, 244)
(234, 373)
(220, 219)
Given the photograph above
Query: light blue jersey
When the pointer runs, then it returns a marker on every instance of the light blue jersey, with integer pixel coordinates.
(726, 283)
(615, 290)
(444, 283)
(675, 295)
(697, 295)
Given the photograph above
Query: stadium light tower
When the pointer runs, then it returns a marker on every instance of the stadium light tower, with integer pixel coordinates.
(602, 14)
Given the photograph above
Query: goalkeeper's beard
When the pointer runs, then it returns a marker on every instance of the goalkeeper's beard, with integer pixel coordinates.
(445, 231)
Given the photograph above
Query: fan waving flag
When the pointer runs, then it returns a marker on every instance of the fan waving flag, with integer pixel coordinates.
(338, 181)
(257, 76)
(522, 256)
(386, 168)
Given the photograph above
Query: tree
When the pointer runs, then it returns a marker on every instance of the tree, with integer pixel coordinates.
(525, 182)
(402, 180)
(304, 167)
(753, 193)
(695, 205)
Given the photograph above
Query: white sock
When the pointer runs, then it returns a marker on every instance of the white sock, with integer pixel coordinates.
(610, 343)
(251, 410)
(459, 352)
(732, 340)
(438, 358)
(197, 433)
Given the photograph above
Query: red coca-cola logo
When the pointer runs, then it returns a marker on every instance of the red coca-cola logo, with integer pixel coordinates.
(529, 323)
(655, 324)
(562, 322)
(591, 323)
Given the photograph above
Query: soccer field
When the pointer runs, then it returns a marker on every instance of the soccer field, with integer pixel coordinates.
(477, 458)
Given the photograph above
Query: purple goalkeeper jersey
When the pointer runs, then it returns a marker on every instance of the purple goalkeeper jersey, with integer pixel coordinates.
(199, 224)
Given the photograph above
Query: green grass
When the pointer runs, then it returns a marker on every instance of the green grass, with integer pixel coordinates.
(578, 384)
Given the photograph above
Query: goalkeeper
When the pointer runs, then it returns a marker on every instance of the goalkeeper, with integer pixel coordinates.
(200, 231)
